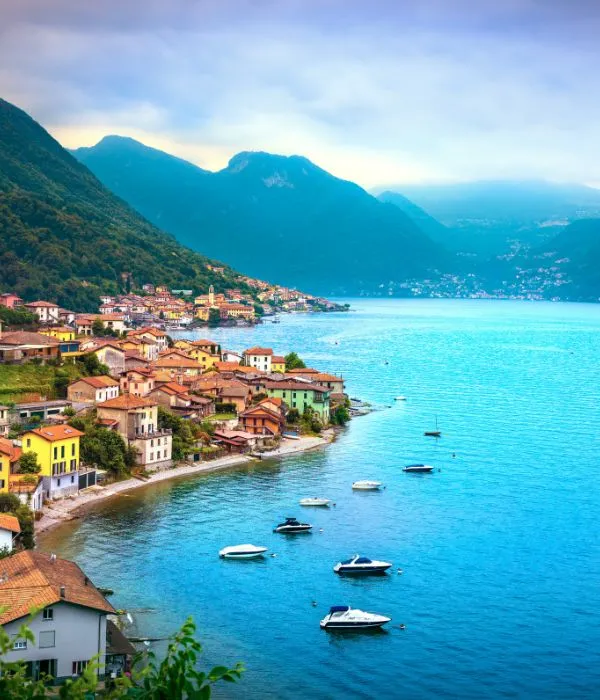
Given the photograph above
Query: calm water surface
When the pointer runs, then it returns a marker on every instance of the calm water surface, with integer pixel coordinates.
(500, 549)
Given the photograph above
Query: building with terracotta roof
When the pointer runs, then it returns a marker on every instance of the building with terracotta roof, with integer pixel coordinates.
(93, 389)
(9, 529)
(260, 358)
(278, 363)
(22, 346)
(138, 381)
(262, 419)
(57, 450)
(178, 364)
(301, 396)
(160, 337)
(10, 301)
(46, 311)
(69, 627)
(9, 457)
(332, 382)
(136, 420)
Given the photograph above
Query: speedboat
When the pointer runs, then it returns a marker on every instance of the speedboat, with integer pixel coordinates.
(291, 526)
(418, 469)
(361, 565)
(315, 502)
(400, 398)
(344, 617)
(367, 485)
(242, 551)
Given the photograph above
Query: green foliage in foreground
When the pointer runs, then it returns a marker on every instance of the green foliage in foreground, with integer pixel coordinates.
(292, 361)
(17, 317)
(103, 448)
(176, 677)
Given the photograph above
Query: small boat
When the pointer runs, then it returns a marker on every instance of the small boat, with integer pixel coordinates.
(242, 551)
(291, 526)
(417, 469)
(358, 565)
(367, 485)
(400, 398)
(314, 501)
(345, 617)
(433, 433)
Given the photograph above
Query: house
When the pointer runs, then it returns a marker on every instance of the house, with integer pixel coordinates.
(46, 311)
(139, 381)
(329, 381)
(301, 396)
(160, 337)
(260, 358)
(237, 311)
(208, 346)
(22, 346)
(44, 410)
(235, 440)
(177, 364)
(28, 488)
(63, 333)
(69, 347)
(66, 317)
(83, 324)
(69, 626)
(110, 354)
(57, 450)
(239, 396)
(10, 301)
(262, 420)
(136, 420)
(9, 529)
(177, 399)
(93, 389)
(146, 346)
(4, 423)
(278, 363)
(205, 358)
(9, 457)
(231, 356)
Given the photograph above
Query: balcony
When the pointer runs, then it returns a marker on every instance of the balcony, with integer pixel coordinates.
(148, 436)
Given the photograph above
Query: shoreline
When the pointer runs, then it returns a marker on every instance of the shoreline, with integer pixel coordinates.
(69, 509)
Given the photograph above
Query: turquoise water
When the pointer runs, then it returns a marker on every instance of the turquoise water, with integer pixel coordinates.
(500, 550)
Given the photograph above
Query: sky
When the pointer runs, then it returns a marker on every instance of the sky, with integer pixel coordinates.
(375, 91)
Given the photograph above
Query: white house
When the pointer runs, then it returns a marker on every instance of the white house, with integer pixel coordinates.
(231, 356)
(70, 628)
(46, 311)
(93, 389)
(260, 358)
(9, 527)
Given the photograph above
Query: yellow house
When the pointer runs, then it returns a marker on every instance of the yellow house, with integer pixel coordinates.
(62, 333)
(57, 450)
(9, 454)
(206, 359)
(202, 313)
(183, 344)
(278, 364)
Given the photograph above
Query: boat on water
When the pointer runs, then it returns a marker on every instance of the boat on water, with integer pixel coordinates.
(361, 566)
(366, 485)
(292, 526)
(400, 398)
(322, 502)
(434, 433)
(242, 551)
(343, 617)
(417, 469)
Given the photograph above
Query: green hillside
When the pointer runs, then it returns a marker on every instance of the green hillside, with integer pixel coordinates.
(66, 238)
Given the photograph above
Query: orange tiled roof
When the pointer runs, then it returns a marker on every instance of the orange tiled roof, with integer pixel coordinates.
(177, 361)
(279, 359)
(34, 580)
(126, 402)
(12, 451)
(57, 432)
(42, 305)
(98, 382)
(9, 522)
(258, 351)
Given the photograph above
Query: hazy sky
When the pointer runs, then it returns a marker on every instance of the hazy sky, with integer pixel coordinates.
(377, 91)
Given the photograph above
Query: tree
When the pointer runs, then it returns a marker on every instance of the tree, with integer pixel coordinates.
(28, 463)
(293, 415)
(61, 382)
(93, 366)
(292, 361)
(98, 327)
(105, 449)
(9, 502)
(214, 317)
(340, 415)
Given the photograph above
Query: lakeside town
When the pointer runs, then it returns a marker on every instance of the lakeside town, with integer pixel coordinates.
(92, 405)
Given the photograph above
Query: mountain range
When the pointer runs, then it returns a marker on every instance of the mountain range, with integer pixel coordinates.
(277, 217)
(67, 238)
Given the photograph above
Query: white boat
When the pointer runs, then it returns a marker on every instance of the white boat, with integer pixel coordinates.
(344, 617)
(292, 526)
(367, 485)
(358, 565)
(400, 398)
(242, 551)
(417, 469)
(314, 501)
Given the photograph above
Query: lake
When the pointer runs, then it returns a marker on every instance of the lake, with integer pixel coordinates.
(499, 549)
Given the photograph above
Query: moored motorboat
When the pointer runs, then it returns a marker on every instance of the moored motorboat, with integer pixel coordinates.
(400, 398)
(433, 433)
(417, 469)
(314, 501)
(242, 551)
(367, 485)
(347, 618)
(358, 565)
(292, 526)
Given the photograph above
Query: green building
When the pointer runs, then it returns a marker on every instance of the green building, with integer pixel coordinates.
(301, 395)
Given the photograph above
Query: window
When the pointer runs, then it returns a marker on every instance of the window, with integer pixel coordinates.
(73, 465)
(72, 479)
(79, 667)
(73, 450)
(46, 639)
(1, 484)
(62, 452)
(151, 443)
(58, 483)
(20, 644)
(55, 453)
(151, 456)
(48, 614)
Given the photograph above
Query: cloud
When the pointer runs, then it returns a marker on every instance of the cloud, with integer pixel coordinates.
(375, 92)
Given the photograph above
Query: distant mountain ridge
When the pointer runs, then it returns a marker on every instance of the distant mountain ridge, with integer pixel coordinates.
(280, 217)
(65, 237)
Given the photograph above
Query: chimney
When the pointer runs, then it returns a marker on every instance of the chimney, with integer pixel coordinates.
(63, 592)
(86, 581)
